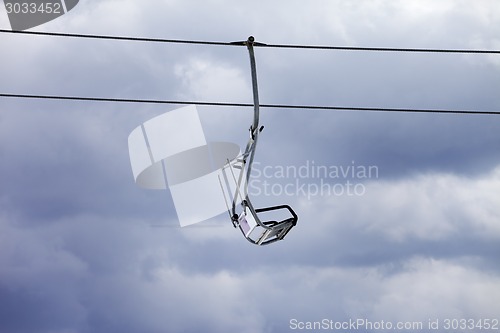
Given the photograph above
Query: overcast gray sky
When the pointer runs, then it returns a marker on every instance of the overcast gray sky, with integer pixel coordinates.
(83, 249)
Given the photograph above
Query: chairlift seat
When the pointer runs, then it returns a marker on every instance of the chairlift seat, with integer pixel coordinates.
(234, 178)
(261, 232)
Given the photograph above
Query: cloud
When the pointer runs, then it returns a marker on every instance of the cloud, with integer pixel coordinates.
(120, 275)
(82, 249)
(434, 207)
(434, 292)
(440, 216)
(208, 80)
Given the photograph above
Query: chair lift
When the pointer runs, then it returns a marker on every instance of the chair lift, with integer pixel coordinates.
(235, 175)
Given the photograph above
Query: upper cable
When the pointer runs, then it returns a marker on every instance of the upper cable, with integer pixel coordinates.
(256, 44)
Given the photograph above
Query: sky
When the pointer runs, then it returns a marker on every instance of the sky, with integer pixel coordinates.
(415, 240)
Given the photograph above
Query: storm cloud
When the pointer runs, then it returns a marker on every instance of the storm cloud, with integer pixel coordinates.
(83, 249)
